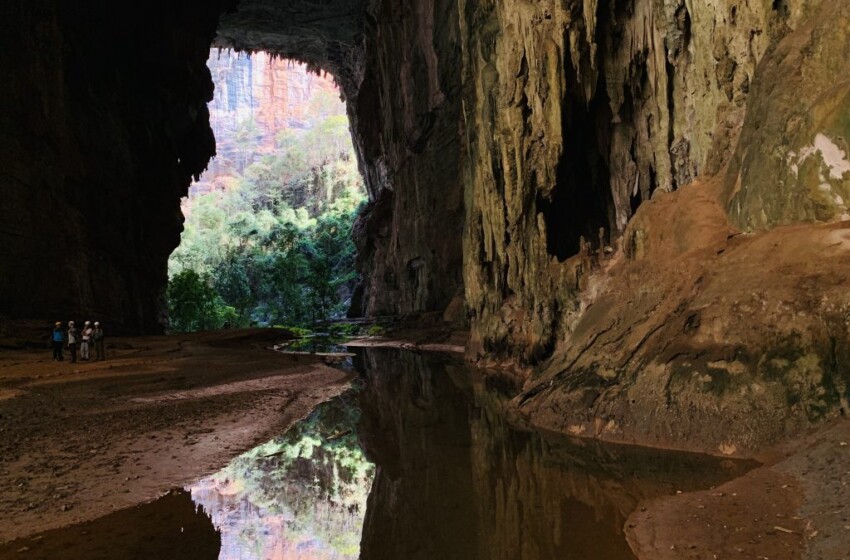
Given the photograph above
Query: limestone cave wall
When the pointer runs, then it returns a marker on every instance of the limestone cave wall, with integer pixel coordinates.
(104, 121)
(579, 112)
(406, 121)
(625, 159)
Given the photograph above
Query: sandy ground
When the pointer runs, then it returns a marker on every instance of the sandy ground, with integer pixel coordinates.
(797, 506)
(78, 441)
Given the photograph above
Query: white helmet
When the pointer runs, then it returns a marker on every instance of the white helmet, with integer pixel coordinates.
(70, 323)
(96, 323)
(88, 323)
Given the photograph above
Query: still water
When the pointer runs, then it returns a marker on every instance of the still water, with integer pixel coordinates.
(417, 461)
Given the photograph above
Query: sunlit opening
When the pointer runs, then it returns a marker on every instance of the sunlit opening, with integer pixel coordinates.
(267, 238)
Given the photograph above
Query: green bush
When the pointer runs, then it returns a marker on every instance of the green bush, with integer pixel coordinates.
(376, 330)
(192, 303)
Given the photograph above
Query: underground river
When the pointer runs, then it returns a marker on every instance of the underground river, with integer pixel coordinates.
(416, 460)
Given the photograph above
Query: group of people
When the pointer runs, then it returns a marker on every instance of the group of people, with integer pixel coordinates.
(92, 334)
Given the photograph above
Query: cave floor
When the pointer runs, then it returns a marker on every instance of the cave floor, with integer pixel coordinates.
(78, 441)
(794, 506)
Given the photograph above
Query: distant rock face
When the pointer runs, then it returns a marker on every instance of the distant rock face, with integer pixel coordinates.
(256, 98)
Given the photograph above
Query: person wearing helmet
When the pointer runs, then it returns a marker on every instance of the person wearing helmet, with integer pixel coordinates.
(72, 341)
(97, 336)
(57, 338)
(86, 341)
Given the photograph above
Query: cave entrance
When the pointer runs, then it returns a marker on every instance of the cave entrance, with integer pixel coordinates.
(267, 232)
(581, 204)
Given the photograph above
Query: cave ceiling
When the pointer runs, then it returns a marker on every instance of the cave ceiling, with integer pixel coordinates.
(327, 35)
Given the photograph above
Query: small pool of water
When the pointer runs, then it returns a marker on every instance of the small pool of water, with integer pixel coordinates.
(417, 461)
(314, 344)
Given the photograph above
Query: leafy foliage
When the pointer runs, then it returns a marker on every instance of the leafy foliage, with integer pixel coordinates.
(315, 476)
(194, 304)
(271, 244)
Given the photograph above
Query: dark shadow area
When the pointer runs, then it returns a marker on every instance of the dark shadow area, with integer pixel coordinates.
(170, 527)
(581, 202)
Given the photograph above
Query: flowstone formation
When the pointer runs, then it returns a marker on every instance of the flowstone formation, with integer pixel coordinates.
(579, 114)
(645, 315)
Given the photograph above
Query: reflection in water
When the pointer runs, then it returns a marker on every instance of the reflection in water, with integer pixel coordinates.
(452, 481)
(170, 527)
(314, 344)
(455, 481)
(302, 495)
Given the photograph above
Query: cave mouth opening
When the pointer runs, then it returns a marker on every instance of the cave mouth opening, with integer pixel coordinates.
(267, 231)
(581, 204)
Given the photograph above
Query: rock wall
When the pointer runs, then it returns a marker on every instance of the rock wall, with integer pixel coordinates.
(581, 119)
(405, 122)
(256, 98)
(105, 121)
(793, 161)
(578, 113)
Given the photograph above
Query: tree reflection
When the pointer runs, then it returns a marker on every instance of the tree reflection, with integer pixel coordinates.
(301, 495)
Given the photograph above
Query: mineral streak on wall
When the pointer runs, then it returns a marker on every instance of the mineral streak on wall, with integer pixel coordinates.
(580, 111)
(644, 313)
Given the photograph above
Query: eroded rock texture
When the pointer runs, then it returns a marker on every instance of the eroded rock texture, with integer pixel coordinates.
(793, 161)
(578, 113)
(405, 121)
(580, 116)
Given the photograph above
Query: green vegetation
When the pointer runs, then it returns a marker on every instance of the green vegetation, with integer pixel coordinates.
(376, 330)
(271, 244)
(315, 476)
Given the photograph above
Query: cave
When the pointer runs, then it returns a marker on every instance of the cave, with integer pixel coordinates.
(116, 132)
(708, 140)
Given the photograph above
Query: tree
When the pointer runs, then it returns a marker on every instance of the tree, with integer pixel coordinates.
(269, 240)
(191, 302)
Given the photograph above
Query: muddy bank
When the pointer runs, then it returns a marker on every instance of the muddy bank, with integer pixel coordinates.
(793, 507)
(79, 441)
